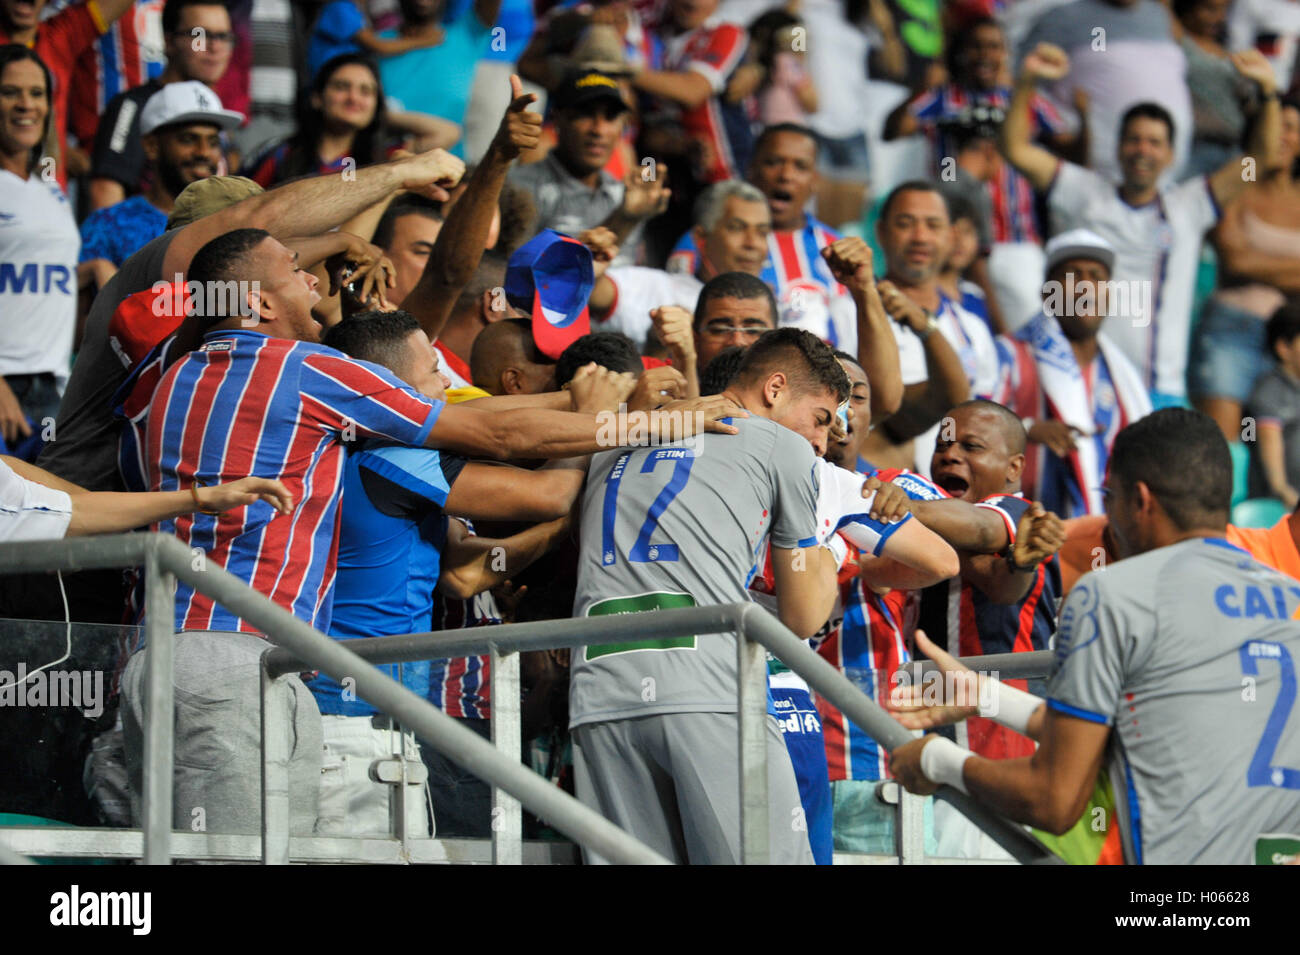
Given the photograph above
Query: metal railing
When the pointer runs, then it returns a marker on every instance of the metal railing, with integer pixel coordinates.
(300, 647)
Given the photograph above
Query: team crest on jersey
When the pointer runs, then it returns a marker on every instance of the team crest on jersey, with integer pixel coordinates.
(1105, 395)
(804, 304)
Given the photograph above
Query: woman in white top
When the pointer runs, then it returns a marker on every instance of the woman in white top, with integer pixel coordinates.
(38, 257)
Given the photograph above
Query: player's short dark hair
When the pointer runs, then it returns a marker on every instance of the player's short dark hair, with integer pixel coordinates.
(1147, 110)
(777, 128)
(171, 12)
(612, 350)
(720, 372)
(379, 337)
(807, 361)
(225, 259)
(1182, 457)
(913, 185)
(409, 204)
(1283, 325)
(1013, 431)
(739, 285)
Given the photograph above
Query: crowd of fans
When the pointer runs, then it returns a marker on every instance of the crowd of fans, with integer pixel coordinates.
(344, 275)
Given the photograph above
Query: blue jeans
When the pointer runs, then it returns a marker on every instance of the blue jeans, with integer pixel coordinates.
(1229, 352)
(462, 802)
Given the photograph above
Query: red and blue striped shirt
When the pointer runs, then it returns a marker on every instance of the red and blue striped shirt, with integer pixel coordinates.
(938, 110)
(247, 404)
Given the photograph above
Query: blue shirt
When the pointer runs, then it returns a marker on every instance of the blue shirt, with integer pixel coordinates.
(119, 231)
(391, 537)
(436, 80)
(337, 24)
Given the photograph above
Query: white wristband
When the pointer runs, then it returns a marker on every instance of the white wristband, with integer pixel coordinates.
(1007, 705)
(942, 761)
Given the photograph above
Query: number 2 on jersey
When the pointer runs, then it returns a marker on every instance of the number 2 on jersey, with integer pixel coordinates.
(643, 551)
(1261, 772)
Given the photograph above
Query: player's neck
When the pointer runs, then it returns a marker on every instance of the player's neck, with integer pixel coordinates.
(750, 401)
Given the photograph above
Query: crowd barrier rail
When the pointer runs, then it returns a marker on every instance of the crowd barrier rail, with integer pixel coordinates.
(298, 647)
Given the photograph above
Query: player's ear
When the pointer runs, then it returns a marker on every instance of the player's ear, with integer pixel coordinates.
(512, 382)
(1015, 466)
(774, 386)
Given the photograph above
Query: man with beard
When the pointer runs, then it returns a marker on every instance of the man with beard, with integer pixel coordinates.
(938, 371)
(1072, 387)
(181, 126)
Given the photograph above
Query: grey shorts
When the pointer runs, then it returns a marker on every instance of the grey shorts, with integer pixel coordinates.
(672, 780)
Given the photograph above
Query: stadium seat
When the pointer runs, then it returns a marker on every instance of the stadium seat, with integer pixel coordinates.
(1258, 512)
(1240, 471)
(21, 820)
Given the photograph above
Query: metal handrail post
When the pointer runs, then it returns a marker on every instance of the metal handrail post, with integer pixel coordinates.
(751, 679)
(159, 716)
(1030, 665)
(275, 773)
(461, 745)
(911, 828)
(507, 737)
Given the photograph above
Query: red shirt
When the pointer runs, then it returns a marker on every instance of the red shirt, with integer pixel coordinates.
(60, 42)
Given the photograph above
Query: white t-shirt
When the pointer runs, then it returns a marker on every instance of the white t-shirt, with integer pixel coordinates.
(39, 243)
(452, 366)
(638, 291)
(31, 511)
(972, 341)
(1157, 252)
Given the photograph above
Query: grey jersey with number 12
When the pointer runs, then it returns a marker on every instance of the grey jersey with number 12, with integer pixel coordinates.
(679, 526)
(1188, 653)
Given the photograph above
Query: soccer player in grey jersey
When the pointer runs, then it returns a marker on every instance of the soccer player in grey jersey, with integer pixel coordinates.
(1175, 669)
(655, 726)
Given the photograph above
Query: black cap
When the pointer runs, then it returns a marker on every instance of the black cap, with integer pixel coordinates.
(587, 86)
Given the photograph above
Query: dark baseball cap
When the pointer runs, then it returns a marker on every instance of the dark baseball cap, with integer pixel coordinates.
(587, 86)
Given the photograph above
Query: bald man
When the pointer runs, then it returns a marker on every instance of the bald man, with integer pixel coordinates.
(504, 360)
(999, 604)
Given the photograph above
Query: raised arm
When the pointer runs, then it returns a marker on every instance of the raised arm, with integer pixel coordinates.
(312, 206)
(850, 261)
(459, 247)
(1230, 179)
(1045, 62)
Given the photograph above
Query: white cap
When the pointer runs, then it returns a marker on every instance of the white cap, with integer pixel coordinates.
(1079, 244)
(186, 102)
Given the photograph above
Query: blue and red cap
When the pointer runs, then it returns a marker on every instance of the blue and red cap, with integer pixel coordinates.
(550, 277)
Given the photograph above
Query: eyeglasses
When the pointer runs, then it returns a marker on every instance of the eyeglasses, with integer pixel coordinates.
(721, 329)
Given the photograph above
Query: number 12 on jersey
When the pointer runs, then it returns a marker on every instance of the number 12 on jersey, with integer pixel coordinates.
(643, 551)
